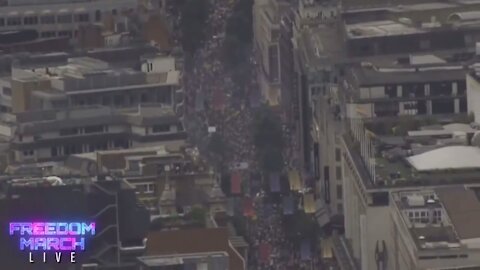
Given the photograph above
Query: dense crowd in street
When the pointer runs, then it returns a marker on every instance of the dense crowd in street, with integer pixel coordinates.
(209, 83)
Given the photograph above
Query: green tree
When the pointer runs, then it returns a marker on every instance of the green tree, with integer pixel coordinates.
(193, 22)
(268, 139)
(239, 34)
(197, 215)
(271, 160)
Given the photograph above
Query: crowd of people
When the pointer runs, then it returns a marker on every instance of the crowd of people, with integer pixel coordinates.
(210, 85)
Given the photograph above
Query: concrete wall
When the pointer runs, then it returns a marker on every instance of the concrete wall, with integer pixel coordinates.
(473, 94)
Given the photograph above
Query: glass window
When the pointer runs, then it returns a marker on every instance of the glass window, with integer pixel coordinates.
(68, 132)
(94, 129)
(339, 192)
(64, 18)
(54, 152)
(98, 15)
(30, 20)
(14, 21)
(47, 19)
(2, 21)
(7, 91)
(338, 172)
(65, 34)
(161, 128)
(338, 155)
(84, 17)
(48, 34)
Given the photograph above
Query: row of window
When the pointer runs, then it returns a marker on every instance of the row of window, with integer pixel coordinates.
(71, 149)
(84, 130)
(45, 19)
(49, 34)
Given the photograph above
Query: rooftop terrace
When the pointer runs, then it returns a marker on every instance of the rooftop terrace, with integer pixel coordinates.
(432, 155)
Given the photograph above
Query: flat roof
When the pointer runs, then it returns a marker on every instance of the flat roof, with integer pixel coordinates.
(380, 29)
(449, 157)
(365, 75)
(463, 208)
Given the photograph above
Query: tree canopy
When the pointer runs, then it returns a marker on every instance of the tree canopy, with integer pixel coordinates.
(268, 140)
(238, 41)
(193, 23)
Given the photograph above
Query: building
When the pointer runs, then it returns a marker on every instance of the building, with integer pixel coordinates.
(56, 134)
(86, 81)
(59, 18)
(118, 241)
(208, 248)
(266, 24)
(204, 260)
(434, 228)
(169, 179)
(423, 85)
(382, 37)
(376, 163)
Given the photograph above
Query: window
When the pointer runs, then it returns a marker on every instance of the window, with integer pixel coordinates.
(2, 21)
(68, 132)
(54, 152)
(340, 208)
(98, 15)
(118, 100)
(64, 18)
(82, 17)
(14, 21)
(47, 19)
(93, 129)
(338, 172)
(65, 34)
(338, 155)
(143, 97)
(30, 20)
(160, 128)
(120, 143)
(73, 149)
(28, 153)
(339, 192)
(7, 91)
(48, 34)
(114, 12)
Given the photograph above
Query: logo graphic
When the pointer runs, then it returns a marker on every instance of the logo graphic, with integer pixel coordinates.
(52, 236)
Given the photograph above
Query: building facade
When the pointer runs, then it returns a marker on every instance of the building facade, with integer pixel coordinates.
(54, 135)
(57, 18)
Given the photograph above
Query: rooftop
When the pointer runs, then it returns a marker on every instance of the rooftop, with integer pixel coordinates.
(91, 115)
(320, 45)
(440, 218)
(380, 29)
(369, 74)
(431, 155)
(193, 241)
(448, 157)
(82, 74)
